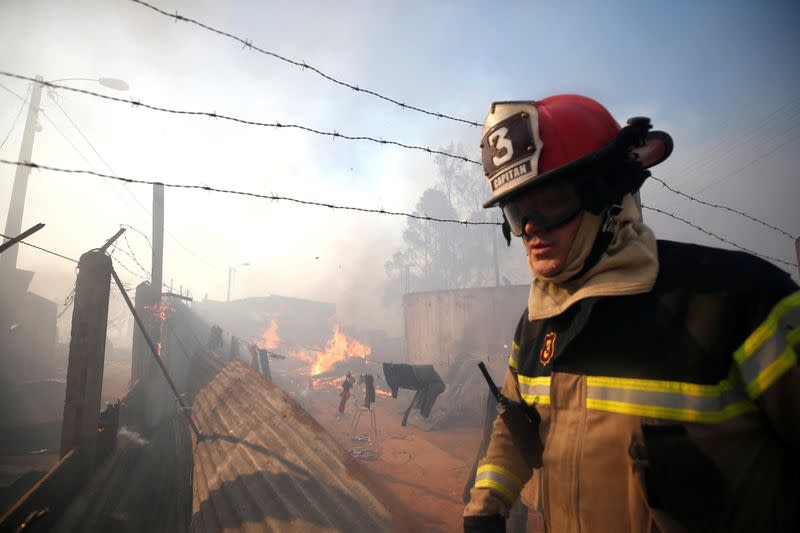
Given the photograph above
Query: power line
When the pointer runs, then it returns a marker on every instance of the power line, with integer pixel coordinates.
(247, 43)
(749, 163)
(175, 239)
(14, 122)
(711, 234)
(42, 249)
(214, 114)
(274, 197)
(64, 112)
(719, 206)
(715, 154)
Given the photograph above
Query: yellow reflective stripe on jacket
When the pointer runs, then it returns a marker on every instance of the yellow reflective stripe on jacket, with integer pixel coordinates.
(534, 390)
(513, 361)
(499, 479)
(671, 400)
(769, 351)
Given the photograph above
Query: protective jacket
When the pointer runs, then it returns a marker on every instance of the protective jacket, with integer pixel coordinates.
(673, 410)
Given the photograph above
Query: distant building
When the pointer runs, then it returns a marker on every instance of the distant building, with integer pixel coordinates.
(300, 321)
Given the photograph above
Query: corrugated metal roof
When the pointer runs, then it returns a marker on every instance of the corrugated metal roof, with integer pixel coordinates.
(264, 464)
(144, 485)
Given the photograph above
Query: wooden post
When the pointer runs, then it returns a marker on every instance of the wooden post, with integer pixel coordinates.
(140, 356)
(86, 355)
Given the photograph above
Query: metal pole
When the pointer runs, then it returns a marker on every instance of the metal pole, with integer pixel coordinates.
(27, 233)
(158, 258)
(230, 269)
(20, 189)
(158, 235)
(153, 350)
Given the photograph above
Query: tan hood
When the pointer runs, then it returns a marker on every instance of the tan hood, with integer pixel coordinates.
(628, 266)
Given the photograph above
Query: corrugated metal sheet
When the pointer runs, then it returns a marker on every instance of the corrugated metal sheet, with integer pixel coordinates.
(144, 485)
(263, 464)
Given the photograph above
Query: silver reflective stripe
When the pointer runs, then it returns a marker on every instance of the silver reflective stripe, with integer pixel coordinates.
(671, 400)
(534, 390)
(668, 399)
(539, 389)
(500, 480)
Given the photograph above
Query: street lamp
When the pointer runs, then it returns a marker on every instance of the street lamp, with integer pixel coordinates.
(231, 270)
(8, 262)
(112, 83)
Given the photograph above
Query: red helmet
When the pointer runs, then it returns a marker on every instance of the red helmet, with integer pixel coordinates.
(526, 143)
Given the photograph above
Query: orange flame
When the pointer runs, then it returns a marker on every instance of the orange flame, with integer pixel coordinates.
(159, 311)
(338, 347)
(269, 337)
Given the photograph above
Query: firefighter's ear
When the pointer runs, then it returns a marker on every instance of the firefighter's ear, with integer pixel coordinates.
(507, 231)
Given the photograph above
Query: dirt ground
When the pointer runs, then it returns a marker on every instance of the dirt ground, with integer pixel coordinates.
(427, 470)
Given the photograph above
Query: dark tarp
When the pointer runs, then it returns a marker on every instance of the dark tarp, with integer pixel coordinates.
(420, 378)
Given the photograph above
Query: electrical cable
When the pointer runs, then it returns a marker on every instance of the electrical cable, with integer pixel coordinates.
(14, 122)
(42, 249)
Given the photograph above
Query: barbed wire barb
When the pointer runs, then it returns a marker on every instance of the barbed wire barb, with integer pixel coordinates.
(241, 193)
(723, 207)
(215, 115)
(712, 234)
(305, 66)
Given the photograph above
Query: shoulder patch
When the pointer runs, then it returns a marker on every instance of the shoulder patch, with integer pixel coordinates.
(548, 348)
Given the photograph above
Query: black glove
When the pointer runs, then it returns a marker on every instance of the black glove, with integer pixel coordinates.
(485, 524)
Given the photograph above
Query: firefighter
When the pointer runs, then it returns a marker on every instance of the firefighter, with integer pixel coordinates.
(652, 385)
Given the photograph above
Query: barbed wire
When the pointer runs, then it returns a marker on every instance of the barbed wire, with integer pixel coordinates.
(247, 43)
(381, 211)
(723, 239)
(364, 138)
(41, 249)
(140, 232)
(274, 197)
(67, 302)
(124, 266)
(133, 256)
(720, 206)
(214, 114)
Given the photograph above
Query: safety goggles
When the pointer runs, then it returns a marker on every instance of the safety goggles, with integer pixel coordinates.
(547, 206)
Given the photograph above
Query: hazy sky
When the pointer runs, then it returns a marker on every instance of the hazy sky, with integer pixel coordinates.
(722, 77)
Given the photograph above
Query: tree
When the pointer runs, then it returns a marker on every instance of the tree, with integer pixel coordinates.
(439, 255)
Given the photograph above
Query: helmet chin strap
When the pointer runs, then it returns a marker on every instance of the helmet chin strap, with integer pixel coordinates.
(506, 230)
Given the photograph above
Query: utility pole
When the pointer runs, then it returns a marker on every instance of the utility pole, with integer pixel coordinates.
(15, 209)
(230, 271)
(158, 235)
(158, 256)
